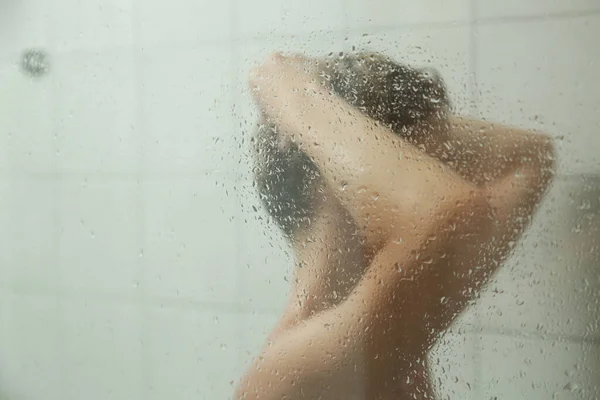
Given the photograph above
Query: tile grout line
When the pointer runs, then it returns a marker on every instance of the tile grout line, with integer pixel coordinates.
(552, 16)
(233, 308)
(185, 175)
(140, 296)
(347, 30)
(239, 239)
(58, 295)
(473, 52)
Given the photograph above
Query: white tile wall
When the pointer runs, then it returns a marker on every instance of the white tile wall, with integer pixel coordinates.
(138, 134)
(6, 311)
(182, 22)
(532, 8)
(536, 369)
(26, 116)
(30, 341)
(101, 350)
(32, 254)
(99, 242)
(189, 353)
(5, 273)
(189, 246)
(293, 17)
(82, 25)
(24, 24)
(4, 134)
(542, 74)
(100, 87)
(186, 109)
(384, 13)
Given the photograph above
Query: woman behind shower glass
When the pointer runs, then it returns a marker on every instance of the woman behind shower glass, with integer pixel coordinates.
(398, 212)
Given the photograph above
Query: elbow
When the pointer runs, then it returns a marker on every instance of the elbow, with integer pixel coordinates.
(537, 166)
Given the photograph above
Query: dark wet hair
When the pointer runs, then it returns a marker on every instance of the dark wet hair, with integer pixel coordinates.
(395, 95)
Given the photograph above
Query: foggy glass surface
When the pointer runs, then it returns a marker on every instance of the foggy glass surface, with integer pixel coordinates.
(137, 260)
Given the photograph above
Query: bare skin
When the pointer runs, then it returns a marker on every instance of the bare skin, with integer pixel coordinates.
(405, 235)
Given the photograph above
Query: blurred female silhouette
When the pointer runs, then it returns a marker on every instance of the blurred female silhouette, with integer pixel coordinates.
(398, 212)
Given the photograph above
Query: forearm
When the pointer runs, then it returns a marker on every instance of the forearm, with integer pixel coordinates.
(487, 152)
(375, 173)
(513, 166)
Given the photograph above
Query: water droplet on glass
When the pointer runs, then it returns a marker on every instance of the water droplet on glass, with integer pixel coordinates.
(571, 387)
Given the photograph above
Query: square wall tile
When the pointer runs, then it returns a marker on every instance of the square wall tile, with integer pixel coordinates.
(189, 354)
(23, 24)
(444, 49)
(30, 344)
(26, 121)
(377, 13)
(102, 350)
(81, 25)
(95, 112)
(183, 22)
(514, 368)
(543, 75)
(517, 8)
(186, 109)
(454, 363)
(100, 234)
(190, 245)
(293, 17)
(32, 253)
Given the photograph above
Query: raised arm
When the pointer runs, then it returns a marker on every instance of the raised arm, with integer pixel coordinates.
(395, 191)
(372, 344)
(380, 178)
(514, 167)
(413, 206)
